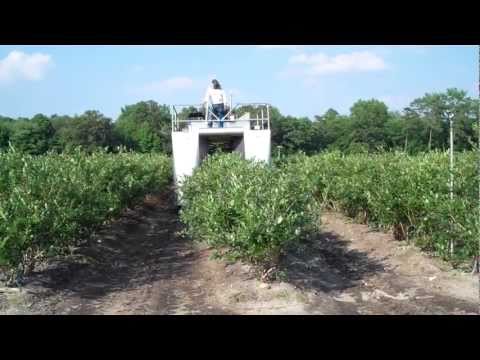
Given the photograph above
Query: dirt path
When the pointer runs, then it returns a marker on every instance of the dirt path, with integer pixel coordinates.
(140, 265)
(137, 265)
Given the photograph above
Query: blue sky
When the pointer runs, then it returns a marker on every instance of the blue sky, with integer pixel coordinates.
(299, 80)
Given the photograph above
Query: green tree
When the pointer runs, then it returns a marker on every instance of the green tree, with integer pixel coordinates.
(474, 142)
(91, 131)
(4, 136)
(294, 134)
(428, 116)
(145, 127)
(432, 110)
(60, 123)
(395, 132)
(465, 114)
(368, 121)
(332, 130)
(34, 136)
(5, 131)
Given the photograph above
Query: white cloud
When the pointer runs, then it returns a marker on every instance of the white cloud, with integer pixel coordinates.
(322, 64)
(169, 85)
(19, 65)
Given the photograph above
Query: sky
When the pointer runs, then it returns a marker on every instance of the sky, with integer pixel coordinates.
(299, 80)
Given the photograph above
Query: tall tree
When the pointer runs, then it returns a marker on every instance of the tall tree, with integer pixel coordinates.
(91, 131)
(293, 134)
(4, 136)
(368, 121)
(145, 127)
(35, 136)
(429, 110)
(5, 131)
(332, 130)
(395, 132)
(433, 109)
(465, 114)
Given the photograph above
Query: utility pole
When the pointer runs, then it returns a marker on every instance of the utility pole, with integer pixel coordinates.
(476, 261)
(450, 120)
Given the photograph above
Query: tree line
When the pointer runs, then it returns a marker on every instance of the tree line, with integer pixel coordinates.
(369, 127)
(143, 127)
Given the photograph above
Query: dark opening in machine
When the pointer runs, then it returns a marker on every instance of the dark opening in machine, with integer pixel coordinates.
(210, 144)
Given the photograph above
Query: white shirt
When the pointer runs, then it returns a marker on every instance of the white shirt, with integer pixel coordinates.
(215, 96)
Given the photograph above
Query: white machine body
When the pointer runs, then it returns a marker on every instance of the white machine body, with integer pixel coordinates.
(249, 135)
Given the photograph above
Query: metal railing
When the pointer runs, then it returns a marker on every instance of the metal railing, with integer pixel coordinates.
(204, 114)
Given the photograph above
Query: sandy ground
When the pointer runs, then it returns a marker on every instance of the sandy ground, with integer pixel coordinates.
(140, 265)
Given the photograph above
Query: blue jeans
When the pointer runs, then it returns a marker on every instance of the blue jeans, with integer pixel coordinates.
(219, 111)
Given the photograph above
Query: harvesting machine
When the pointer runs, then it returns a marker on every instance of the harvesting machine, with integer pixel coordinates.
(197, 131)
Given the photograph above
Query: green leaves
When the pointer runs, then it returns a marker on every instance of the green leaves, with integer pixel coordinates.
(48, 202)
(245, 209)
(408, 194)
(145, 127)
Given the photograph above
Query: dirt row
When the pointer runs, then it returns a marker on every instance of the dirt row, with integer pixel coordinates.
(140, 264)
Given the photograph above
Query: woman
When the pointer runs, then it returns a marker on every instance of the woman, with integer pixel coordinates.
(217, 97)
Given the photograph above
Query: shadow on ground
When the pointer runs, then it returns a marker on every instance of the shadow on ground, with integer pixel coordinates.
(142, 250)
(142, 247)
(325, 263)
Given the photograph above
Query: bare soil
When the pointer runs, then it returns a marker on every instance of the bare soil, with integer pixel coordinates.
(140, 264)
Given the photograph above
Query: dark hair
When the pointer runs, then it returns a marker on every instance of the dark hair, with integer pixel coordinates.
(216, 84)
